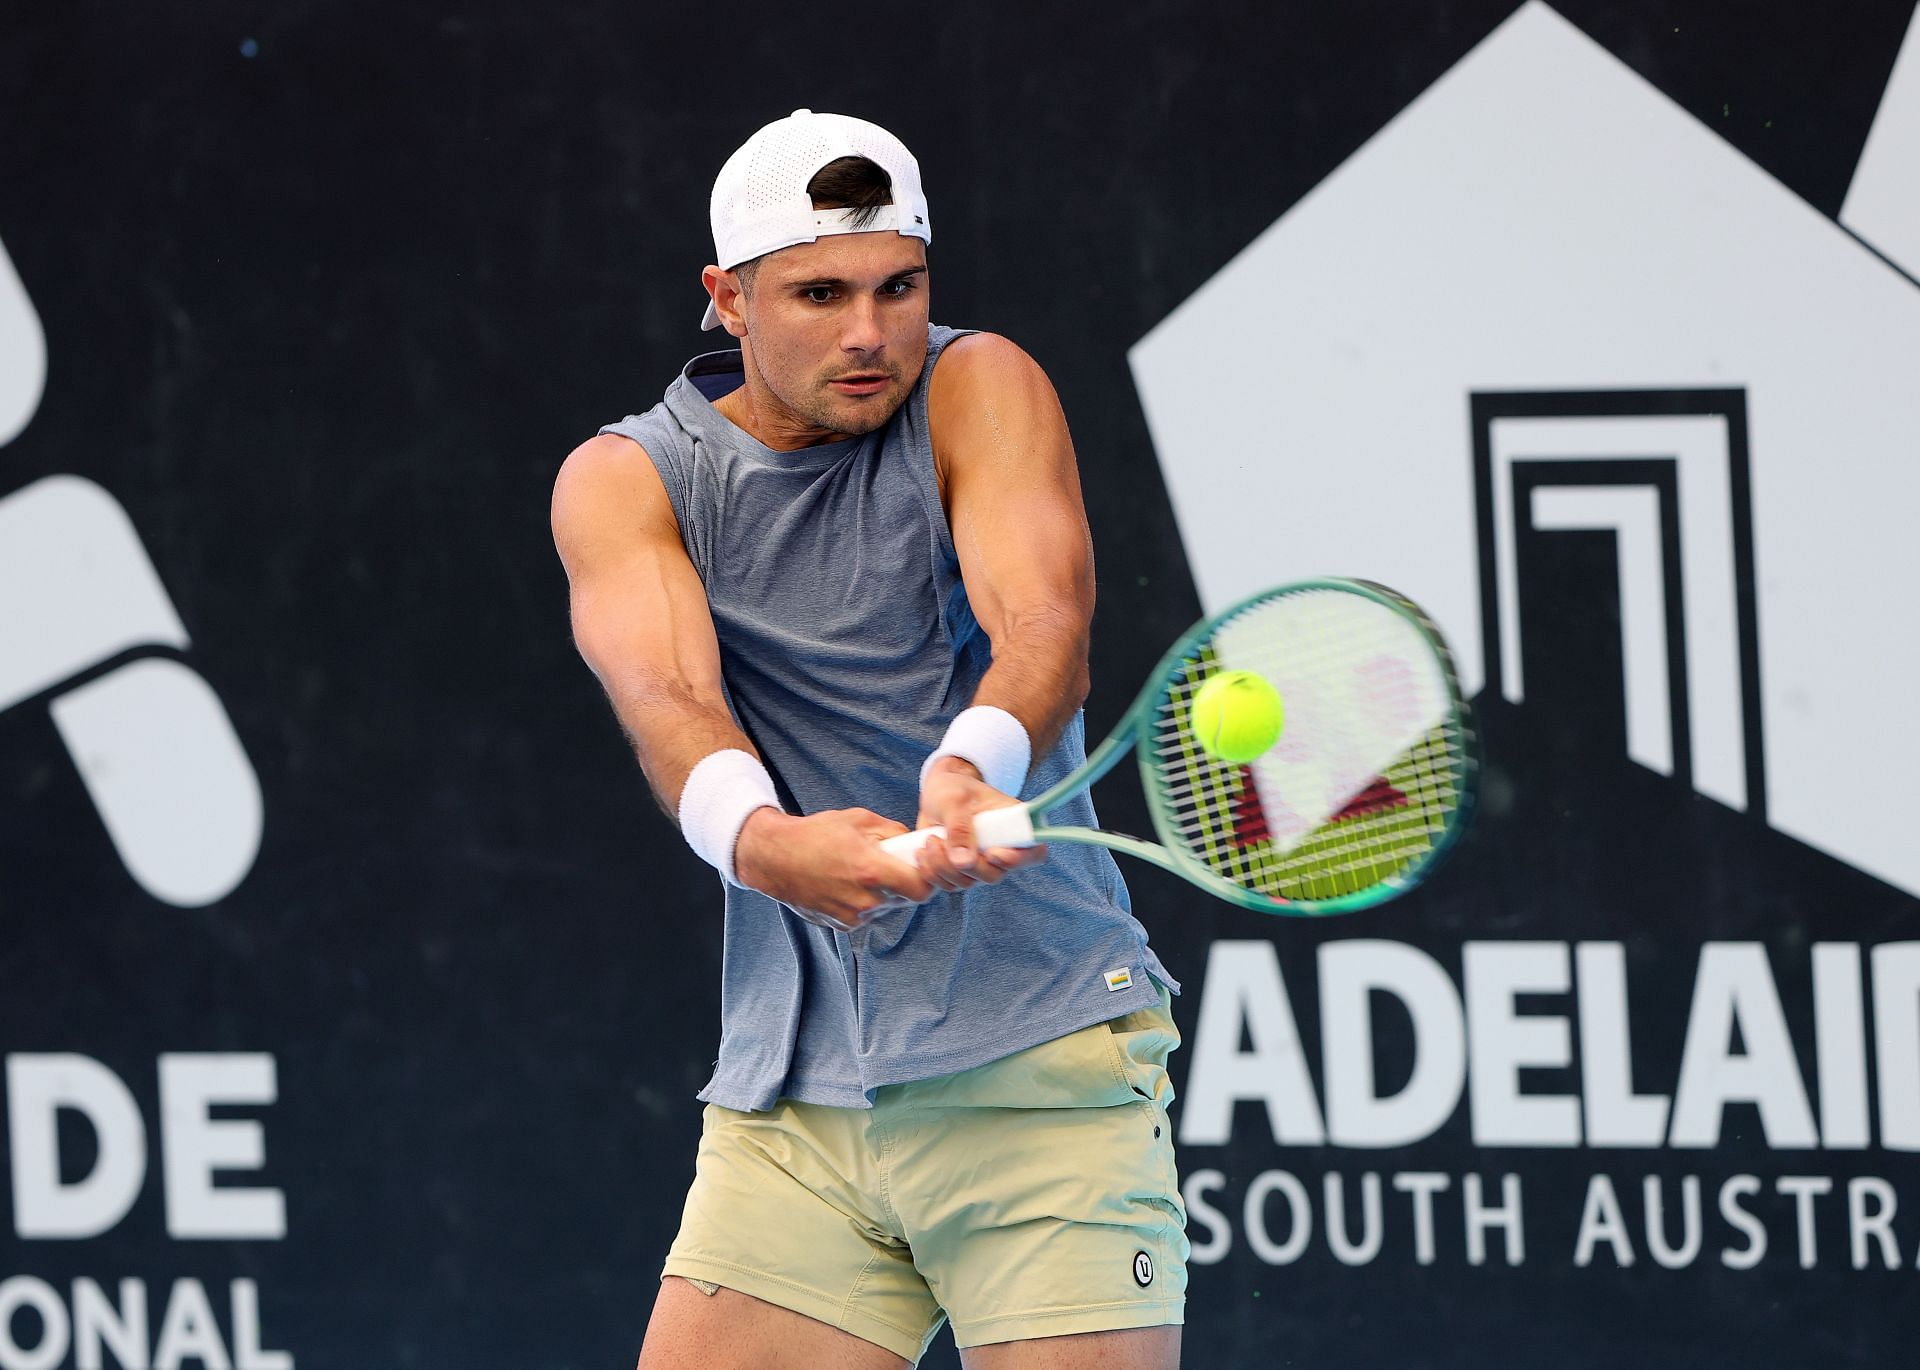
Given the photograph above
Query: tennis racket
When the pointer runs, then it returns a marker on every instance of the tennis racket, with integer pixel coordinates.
(1367, 787)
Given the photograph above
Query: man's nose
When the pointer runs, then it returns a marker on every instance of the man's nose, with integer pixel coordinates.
(861, 331)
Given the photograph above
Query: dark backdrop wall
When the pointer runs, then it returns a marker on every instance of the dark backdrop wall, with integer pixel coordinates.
(352, 991)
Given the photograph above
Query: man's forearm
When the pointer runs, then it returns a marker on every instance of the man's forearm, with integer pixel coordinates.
(671, 730)
(1039, 674)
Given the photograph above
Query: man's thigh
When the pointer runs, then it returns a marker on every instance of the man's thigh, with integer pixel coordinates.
(787, 1207)
(728, 1330)
(1060, 1219)
(1139, 1348)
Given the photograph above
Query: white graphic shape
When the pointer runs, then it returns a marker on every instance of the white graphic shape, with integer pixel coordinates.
(1360, 686)
(1710, 607)
(1541, 218)
(39, 1089)
(151, 740)
(55, 1331)
(76, 586)
(1883, 201)
(198, 1146)
(23, 353)
(1633, 517)
(171, 781)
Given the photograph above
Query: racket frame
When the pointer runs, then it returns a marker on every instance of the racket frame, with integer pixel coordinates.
(1171, 856)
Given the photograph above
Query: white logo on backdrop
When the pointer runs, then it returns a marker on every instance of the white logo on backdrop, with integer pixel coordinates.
(151, 740)
(181, 804)
(1540, 224)
(1666, 473)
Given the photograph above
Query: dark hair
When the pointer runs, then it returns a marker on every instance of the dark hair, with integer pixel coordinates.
(857, 183)
(851, 183)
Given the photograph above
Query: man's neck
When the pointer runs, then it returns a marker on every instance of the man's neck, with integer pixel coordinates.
(768, 422)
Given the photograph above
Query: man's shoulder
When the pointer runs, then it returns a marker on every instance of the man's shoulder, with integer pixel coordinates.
(606, 472)
(636, 425)
(979, 366)
(660, 435)
(979, 349)
(608, 453)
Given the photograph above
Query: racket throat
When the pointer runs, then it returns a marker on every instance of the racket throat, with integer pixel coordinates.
(1151, 852)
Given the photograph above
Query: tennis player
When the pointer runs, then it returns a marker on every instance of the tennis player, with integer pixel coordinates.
(838, 578)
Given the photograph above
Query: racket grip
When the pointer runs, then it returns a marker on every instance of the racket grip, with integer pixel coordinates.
(1008, 827)
(907, 845)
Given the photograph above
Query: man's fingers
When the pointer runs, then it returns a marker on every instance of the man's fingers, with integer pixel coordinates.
(1013, 858)
(960, 843)
(902, 878)
(939, 867)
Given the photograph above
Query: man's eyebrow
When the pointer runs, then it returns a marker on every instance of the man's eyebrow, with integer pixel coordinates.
(817, 282)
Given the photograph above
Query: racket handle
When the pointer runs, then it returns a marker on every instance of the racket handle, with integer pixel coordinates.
(1008, 827)
(907, 845)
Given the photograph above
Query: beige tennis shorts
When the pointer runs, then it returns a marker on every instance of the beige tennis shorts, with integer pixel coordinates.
(1034, 1196)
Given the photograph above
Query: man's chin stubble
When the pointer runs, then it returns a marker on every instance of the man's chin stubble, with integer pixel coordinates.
(858, 424)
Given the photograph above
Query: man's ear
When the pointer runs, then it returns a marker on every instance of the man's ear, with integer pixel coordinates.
(728, 296)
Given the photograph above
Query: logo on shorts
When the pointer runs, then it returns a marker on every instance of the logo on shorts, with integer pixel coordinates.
(1119, 979)
(1142, 1269)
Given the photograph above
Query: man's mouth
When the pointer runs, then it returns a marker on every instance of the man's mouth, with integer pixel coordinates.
(861, 383)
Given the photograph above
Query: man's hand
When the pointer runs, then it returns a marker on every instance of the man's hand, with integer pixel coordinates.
(827, 867)
(951, 795)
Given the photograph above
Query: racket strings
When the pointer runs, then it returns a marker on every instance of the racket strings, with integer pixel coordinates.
(1344, 857)
(1368, 774)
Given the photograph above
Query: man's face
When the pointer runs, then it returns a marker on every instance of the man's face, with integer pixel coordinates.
(837, 330)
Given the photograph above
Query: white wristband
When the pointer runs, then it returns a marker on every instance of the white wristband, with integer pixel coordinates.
(994, 741)
(721, 793)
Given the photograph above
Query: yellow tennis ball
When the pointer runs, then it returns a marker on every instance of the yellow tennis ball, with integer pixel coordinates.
(1236, 715)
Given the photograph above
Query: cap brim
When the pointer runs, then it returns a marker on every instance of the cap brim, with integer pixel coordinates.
(709, 320)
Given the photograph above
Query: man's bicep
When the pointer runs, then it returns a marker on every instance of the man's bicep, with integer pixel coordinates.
(1012, 488)
(642, 625)
(638, 608)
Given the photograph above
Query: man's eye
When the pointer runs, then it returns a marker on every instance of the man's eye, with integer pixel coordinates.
(819, 294)
(895, 289)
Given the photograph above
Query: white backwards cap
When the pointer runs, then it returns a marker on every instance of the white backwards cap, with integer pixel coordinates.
(760, 200)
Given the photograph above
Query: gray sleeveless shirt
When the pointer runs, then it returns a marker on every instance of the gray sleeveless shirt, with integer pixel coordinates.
(847, 645)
